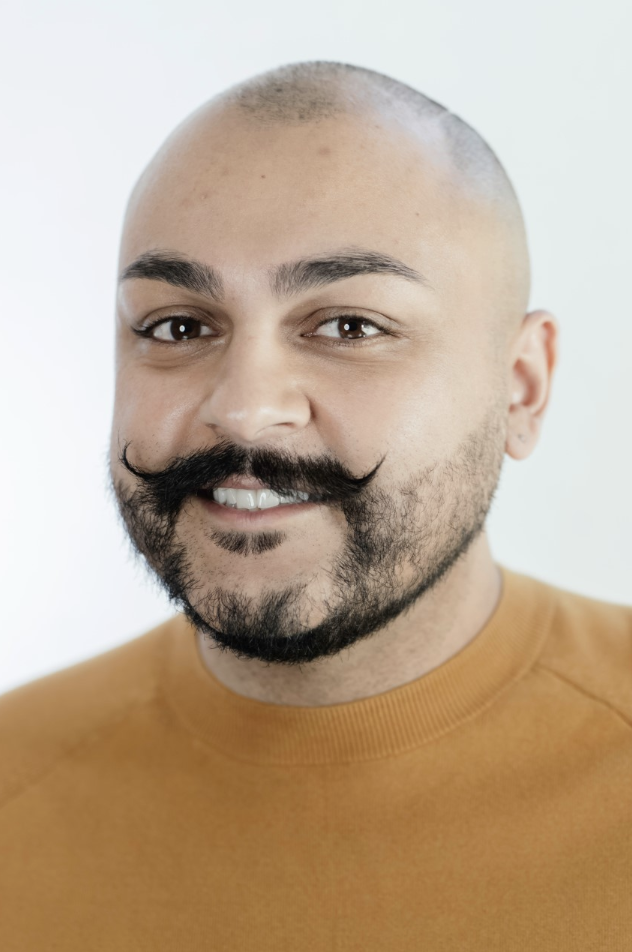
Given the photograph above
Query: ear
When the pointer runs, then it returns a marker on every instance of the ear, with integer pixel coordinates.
(533, 359)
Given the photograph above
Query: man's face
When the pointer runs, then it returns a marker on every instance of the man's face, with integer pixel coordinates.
(306, 375)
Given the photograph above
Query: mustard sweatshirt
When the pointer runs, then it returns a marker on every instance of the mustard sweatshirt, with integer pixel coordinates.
(485, 806)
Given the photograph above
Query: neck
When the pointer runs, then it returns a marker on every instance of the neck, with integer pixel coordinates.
(436, 628)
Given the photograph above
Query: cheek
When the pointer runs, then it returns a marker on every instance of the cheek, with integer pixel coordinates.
(394, 410)
(151, 412)
(420, 411)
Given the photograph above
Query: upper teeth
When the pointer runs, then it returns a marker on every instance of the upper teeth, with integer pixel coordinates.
(255, 498)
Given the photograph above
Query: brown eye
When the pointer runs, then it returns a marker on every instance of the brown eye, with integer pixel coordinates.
(349, 328)
(176, 329)
(183, 328)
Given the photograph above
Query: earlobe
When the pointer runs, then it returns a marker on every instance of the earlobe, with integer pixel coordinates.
(519, 444)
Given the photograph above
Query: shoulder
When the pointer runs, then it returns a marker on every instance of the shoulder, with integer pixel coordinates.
(43, 721)
(590, 646)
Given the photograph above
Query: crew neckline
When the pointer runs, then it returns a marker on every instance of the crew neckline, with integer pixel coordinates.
(383, 725)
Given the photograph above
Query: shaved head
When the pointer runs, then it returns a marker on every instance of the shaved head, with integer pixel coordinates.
(309, 92)
(314, 94)
(323, 288)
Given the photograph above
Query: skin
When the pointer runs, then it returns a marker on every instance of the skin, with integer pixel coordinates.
(245, 197)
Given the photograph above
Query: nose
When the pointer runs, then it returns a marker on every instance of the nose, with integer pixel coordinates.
(256, 390)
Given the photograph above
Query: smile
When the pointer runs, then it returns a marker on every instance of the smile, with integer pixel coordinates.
(255, 517)
(254, 499)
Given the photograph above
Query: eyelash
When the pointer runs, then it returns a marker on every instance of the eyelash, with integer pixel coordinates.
(146, 330)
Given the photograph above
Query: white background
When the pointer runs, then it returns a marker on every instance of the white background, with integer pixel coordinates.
(90, 90)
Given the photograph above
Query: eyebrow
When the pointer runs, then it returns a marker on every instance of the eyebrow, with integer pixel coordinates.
(177, 270)
(315, 272)
(287, 279)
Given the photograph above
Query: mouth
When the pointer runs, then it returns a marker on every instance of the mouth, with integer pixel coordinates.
(253, 504)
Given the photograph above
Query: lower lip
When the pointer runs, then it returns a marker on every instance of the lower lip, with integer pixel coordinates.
(254, 518)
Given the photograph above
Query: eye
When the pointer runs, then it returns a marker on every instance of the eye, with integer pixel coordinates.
(352, 328)
(174, 329)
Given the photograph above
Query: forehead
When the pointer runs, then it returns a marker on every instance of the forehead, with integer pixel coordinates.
(244, 194)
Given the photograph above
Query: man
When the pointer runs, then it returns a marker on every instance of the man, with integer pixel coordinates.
(359, 732)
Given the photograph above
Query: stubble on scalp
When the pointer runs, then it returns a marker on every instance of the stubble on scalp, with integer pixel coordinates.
(312, 92)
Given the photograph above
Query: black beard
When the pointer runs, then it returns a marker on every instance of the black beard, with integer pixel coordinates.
(384, 535)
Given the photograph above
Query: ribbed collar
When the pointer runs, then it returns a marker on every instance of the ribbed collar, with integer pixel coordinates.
(380, 726)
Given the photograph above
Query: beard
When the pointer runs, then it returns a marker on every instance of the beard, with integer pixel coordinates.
(399, 542)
